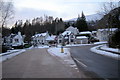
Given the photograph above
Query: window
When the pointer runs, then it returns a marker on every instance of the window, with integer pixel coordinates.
(16, 40)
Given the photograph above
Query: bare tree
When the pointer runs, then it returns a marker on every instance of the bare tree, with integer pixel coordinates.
(6, 12)
(106, 7)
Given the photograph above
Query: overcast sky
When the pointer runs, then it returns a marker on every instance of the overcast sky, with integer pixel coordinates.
(66, 9)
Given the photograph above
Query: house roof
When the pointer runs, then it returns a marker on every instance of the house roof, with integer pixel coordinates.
(111, 29)
(69, 28)
(12, 35)
(85, 32)
(41, 34)
(81, 37)
(66, 33)
(49, 38)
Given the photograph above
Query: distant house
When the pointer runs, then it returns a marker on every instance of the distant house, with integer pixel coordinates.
(103, 34)
(81, 40)
(85, 33)
(75, 31)
(14, 40)
(67, 36)
(94, 33)
(42, 38)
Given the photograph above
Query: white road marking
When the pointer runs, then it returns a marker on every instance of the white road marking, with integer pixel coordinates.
(80, 62)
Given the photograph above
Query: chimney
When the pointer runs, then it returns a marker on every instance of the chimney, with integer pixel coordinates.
(19, 33)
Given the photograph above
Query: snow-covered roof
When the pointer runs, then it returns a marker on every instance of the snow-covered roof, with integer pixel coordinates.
(41, 34)
(69, 28)
(85, 32)
(81, 37)
(111, 29)
(49, 38)
(94, 31)
(53, 36)
(66, 33)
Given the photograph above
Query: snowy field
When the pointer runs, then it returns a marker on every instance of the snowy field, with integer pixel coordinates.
(108, 54)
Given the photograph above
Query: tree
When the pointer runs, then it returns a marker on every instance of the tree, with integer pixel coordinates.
(106, 7)
(81, 23)
(6, 12)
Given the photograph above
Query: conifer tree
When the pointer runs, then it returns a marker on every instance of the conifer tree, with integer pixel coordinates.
(81, 23)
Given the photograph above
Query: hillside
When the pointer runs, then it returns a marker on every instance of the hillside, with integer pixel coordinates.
(112, 19)
(92, 17)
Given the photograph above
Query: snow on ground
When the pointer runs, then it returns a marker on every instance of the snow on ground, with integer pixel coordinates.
(30, 47)
(8, 52)
(57, 52)
(102, 42)
(109, 54)
(78, 44)
(43, 46)
(66, 57)
(13, 53)
(104, 47)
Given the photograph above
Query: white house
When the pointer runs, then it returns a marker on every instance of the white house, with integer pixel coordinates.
(83, 37)
(103, 34)
(81, 40)
(75, 31)
(14, 40)
(40, 38)
(85, 33)
(67, 37)
(43, 38)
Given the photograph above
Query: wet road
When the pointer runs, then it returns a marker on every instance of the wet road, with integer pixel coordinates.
(95, 65)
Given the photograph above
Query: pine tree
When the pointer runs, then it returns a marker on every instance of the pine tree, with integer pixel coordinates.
(81, 23)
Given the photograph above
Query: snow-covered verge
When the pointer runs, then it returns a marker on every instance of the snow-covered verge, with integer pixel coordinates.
(104, 47)
(63, 56)
(43, 46)
(103, 42)
(57, 52)
(78, 44)
(105, 53)
(10, 54)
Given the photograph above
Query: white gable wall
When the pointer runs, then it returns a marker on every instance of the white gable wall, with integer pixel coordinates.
(17, 40)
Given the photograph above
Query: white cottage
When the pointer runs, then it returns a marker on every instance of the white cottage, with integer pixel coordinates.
(14, 40)
(43, 39)
(81, 40)
(103, 34)
(75, 31)
(40, 38)
(67, 37)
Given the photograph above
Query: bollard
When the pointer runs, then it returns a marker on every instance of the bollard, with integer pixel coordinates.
(62, 50)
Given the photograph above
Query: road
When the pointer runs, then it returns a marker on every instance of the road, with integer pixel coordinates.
(95, 65)
(36, 63)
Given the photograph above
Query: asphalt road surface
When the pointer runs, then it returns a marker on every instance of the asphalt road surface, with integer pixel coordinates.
(95, 65)
(36, 63)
